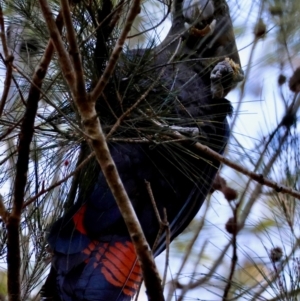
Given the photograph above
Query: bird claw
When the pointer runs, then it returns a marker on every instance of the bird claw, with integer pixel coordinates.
(224, 76)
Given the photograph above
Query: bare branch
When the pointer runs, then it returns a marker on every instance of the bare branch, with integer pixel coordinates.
(74, 51)
(256, 177)
(2, 34)
(7, 83)
(85, 105)
(8, 60)
(63, 57)
(234, 258)
(4, 214)
(133, 12)
(261, 179)
(150, 274)
(26, 134)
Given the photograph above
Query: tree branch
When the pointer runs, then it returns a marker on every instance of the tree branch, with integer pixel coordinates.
(74, 50)
(8, 60)
(261, 179)
(86, 107)
(133, 12)
(26, 134)
(63, 57)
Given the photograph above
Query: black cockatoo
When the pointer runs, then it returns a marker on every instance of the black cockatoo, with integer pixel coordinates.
(93, 256)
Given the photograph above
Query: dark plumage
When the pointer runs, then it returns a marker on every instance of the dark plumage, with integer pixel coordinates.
(93, 257)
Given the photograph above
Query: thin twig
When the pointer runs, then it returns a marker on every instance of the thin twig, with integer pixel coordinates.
(45, 190)
(50, 102)
(261, 179)
(130, 140)
(257, 191)
(256, 177)
(274, 277)
(163, 226)
(74, 51)
(16, 124)
(242, 88)
(11, 154)
(192, 241)
(98, 26)
(234, 258)
(152, 199)
(8, 59)
(163, 19)
(142, 97)
(215, 266)
(7, 83)
(76, 179)
(63, 57)
(187, 253)
(2, 34)
(133, 12)
(168, 242)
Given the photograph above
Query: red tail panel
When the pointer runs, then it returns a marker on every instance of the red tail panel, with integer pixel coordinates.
(105, 270)
(117, 263)
(78, 220)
